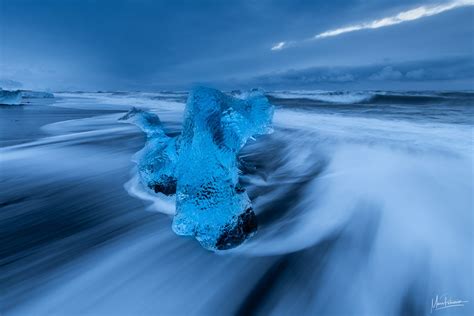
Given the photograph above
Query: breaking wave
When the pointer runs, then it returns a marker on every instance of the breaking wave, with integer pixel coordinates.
(325, 96)
(376, 97)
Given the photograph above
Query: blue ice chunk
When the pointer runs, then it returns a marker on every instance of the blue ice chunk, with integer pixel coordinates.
(211, 205)
(156, 162)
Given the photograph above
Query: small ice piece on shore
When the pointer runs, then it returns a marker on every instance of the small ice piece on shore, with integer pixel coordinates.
(156, 162)
(211, 205)
(10, 97)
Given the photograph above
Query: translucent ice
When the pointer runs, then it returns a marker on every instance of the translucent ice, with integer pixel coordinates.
(201, 164)
(156, 162)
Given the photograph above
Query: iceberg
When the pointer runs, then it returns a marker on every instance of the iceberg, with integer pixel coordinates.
(10, 97)
(200, 166)
(15, 97)
(36, 94)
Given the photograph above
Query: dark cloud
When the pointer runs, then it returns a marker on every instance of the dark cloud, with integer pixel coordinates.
(373, 76)
(387, 73)
(417, 74)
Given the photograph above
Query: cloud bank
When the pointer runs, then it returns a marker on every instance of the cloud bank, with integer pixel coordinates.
(431, 74)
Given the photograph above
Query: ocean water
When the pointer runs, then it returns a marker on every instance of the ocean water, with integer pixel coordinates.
(364, 202)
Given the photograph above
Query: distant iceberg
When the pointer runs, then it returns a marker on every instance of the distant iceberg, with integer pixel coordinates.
(200, 166)
(16, 97)
(36, 94)
(10, 97)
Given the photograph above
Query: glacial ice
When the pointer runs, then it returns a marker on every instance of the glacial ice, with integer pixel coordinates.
(157, 161)
(16, 97)
(10, 97)
(200, 166)
(36, 94)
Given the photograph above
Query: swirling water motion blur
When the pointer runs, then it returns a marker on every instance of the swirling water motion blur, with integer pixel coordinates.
(364, 202)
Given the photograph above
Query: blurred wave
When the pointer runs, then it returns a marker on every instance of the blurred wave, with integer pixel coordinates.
(362, 209)
(377, 97)
(344, 97)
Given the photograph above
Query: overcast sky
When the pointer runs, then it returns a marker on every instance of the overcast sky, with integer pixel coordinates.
(284, 44)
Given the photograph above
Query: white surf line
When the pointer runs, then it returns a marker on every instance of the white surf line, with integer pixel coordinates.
(70, 138)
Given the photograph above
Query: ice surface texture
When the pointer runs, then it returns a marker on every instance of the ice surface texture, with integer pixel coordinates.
(201, 166)
(157, 161)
